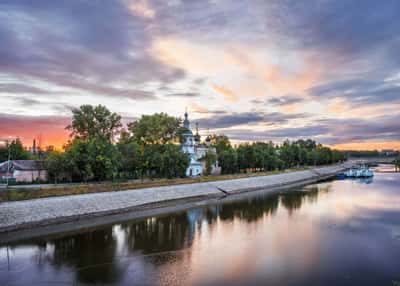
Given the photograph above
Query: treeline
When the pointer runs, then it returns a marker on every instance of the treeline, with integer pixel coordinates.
(261, 156)
(147, 147)
(101, 149)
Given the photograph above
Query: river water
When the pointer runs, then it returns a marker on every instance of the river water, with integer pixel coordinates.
(341, 232)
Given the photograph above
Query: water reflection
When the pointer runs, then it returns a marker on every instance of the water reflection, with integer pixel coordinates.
(289, 239)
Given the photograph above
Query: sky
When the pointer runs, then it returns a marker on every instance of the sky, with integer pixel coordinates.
(253, 70)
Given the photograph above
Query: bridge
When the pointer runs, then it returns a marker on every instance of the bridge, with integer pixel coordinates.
(374, 160)
(378, 160)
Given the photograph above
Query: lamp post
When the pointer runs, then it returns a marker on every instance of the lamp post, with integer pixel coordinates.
(8, 164)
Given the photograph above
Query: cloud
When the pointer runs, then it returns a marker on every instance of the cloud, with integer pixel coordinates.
(142, 9)
(25, 101)
(14, 88)
(277, 135)
(227, 120)
(342, 26)
(326, 131)
(380, 128)
(44, 41)
(227, 93)
(184, 94)
(284, 100)
(334, 53)
(358, 91)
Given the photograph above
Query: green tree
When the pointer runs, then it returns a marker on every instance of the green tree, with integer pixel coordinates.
(227, 159)
(16, 149)
(91, 153)
(130, 158)
(58, 166)
(94, 159)
(210, 159)
(312, 157)
(174, 162)
(287, 154)
(77, 153)
(90, 122)
(159, 128)
(220, 142)
(103, 159)
(164, 160)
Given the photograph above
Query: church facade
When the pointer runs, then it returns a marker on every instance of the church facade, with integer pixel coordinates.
(196, 150)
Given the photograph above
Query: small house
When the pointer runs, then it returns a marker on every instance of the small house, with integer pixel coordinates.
(23, 170)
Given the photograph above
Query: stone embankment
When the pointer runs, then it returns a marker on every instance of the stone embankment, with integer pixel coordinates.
(47, 211)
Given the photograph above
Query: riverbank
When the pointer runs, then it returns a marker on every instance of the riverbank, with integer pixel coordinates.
(78, 209)
(37, 191)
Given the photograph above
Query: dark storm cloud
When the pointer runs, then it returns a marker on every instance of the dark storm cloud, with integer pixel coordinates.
(226, 120)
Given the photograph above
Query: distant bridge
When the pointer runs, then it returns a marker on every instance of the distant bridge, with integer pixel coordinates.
(374, 160)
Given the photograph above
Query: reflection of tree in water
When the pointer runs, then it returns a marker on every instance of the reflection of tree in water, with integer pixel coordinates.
(167, 233)
(92, 255)
(293, 200)
(251, 209)
(157, 234)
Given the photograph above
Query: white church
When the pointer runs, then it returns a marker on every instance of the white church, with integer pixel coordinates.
(196, 150)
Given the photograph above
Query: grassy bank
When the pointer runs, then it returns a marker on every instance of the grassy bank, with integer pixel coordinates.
(15, 194)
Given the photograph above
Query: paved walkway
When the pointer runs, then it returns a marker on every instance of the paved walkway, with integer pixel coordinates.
(23, 214)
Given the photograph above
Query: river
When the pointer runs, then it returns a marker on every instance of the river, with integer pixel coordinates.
(340, 232)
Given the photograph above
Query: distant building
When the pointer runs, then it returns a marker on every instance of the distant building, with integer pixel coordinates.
(388, 152)
(196, 150)
(23, 170)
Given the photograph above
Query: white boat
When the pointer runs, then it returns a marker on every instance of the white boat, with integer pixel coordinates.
(359, 172)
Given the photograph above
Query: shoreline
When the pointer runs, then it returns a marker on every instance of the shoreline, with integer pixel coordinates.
(39, 191)
(26, 219)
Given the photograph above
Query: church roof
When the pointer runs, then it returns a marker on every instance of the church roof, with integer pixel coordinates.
(187, 132)
(186, 122)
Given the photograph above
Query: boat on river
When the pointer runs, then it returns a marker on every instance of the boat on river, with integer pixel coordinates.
(359, 172)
